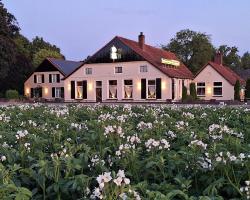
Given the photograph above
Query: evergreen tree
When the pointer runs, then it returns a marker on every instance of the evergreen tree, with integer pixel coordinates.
(193, 92)
(247, 92)
(237, 90)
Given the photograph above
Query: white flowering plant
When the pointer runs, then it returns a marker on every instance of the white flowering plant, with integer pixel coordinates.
(125, 152)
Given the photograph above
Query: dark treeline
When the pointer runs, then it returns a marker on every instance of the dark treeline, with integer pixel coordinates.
(18, 55)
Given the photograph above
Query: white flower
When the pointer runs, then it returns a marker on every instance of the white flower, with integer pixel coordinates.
(3, 158)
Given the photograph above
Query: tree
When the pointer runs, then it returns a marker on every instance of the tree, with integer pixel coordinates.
(193, 93)
(194, 49)
(237, 90)
(230, 56)
(247, 92)
(8, 24)
(45, 53)
(184, 93)
(245, 60)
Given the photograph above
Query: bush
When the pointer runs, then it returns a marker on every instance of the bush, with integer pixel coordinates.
(12, 94)
(247, 94)
(193, 91)
(184, 93)
(237, 90)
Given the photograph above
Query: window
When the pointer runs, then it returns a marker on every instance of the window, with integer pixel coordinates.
(54, 78)
(217, 89)
(113, 89)
(98, 84)
(128, 89)
(151, 89)
(57, 92)
(144, 68)
(39, 78)
(79, 90)
(118, 70)
(201, 89)
(88, 71)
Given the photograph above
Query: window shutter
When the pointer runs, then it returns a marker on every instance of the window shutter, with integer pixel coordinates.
(41, 92)
(32, 92)
(72, 89)
(84, 90)
(50, 78)
(53, 92)
(143, 89)
(58, 78)
(34, 78)
(42, 78)
(158, 88)
(62, 92)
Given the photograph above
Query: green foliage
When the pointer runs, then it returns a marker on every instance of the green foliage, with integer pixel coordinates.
(245, 60)
(184, 93)
(17, 53)
(193, 48)
(237, 90)
(45, 53)
(12, 94)
(66, 147)
(230, 56)
(193, 92)
(247, 92)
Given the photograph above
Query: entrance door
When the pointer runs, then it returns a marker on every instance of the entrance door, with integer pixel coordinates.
(98, 91)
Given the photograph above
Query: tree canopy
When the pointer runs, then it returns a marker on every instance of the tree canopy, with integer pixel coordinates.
(193, 48)
(18, 55)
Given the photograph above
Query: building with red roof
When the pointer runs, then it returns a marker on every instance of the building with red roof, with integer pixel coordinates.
(216, 81)
(126, 70)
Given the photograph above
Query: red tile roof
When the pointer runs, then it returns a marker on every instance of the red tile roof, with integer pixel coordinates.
(225, 72)
(154, 55)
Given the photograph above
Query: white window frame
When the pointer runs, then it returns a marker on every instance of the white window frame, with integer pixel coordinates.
(37, 78)
(117, 70)
(132, 85)
(220, 86)
(88, 71)
(201, 87)
(148, 88)
(143, 68)
(58, 92)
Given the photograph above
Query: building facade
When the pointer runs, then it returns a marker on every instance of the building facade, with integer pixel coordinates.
(46, 81)
(125, 70)
(216, 81)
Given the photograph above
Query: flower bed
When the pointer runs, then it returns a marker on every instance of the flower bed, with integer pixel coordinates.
(124, 152)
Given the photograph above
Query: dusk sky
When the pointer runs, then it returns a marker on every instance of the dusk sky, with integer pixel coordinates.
(81, 27)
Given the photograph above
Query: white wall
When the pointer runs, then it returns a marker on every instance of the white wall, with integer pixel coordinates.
(209, 75)
(47, 87)
(105, 72)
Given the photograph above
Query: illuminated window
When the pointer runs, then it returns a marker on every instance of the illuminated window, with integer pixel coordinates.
(79, 89)
(144, 68)
(151, 89)
(217, 91)
(128, 89)
(88, 71)
(201, 89)
(113, 89)
(118, 70)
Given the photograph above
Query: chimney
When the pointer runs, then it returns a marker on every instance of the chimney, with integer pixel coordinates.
(141, 40)
(218, 58)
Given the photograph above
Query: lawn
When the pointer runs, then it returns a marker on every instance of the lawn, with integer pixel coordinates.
(124, 152)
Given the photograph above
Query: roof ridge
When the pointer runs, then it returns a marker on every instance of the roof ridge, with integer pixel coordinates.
(148, 45)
